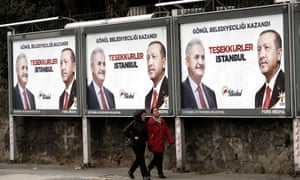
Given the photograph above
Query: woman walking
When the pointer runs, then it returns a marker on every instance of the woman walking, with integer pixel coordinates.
(137, 131)
(158, 131)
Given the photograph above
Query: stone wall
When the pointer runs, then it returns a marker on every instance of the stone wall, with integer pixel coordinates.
(4, 130)
(240, 145)
(212, 145)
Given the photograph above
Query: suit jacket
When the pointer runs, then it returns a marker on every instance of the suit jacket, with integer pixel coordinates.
(72, 95)
(17, 99)
(92, 101)
(162, 94)
(277, 89)
(188, 99)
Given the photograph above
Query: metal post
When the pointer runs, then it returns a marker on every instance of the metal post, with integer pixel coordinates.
(12, 139)
(179, 134)
(296, 134)
(86, 135)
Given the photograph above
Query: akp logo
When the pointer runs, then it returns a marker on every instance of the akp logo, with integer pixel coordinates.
(224, 90)
(43, 95)
(230, 92)
(126, 95)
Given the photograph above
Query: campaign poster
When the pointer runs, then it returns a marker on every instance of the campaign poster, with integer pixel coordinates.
(235, 65)
(41, 75)
(127, 66)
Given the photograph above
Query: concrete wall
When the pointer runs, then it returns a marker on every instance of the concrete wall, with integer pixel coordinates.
(236, 145)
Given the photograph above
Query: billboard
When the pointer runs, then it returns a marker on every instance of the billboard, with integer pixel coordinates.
(128, 67)
(228, 59)
(44, 78)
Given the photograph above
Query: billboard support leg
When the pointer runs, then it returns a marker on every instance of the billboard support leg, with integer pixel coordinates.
(86, 135)
(12, 139)
(296, 134)
(179, 135)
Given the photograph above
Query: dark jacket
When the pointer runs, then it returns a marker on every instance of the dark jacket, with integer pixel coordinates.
(137, 128)
(162, 94)
(17, 99)
(277, 89)
(188, 99)
(92, 101)
(72, 97)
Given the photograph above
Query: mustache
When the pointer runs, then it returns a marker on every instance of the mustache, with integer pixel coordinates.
(100, 72)
(24, 75)
(199, 66)
(262, 59)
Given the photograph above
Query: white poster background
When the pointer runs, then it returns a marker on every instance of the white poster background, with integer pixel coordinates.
(133, 81)
(240, 75)
(43, 84)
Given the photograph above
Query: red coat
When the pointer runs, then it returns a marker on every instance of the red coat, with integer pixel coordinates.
(157, 134)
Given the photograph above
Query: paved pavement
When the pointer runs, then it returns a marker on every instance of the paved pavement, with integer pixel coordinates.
(53, 172)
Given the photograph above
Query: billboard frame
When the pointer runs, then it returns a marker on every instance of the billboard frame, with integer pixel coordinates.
(229, 15)
(40, 36)
(296, 53)
(165, 22)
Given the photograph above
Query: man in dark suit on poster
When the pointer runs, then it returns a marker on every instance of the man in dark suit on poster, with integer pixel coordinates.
(98, 96)
(156, 64)
(269, 51)
(22, 97)
(194, 93)
(68, 99)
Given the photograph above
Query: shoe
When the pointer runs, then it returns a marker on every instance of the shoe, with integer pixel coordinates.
(146, 178)
(161, 176)
(130, 174)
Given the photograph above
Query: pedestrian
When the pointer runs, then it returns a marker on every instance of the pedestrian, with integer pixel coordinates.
(158, 132)
(137, 132)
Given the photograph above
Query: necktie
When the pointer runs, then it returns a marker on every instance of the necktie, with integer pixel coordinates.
(268, 98)
(154, 98)
(26, 100)
(202, 101)
(104, 106)
(66, 100)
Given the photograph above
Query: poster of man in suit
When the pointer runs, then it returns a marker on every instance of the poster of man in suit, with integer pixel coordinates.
(40, 64)
(23, 98)
(98, 96)
(232, 65)
(269, 52)
(124, 67)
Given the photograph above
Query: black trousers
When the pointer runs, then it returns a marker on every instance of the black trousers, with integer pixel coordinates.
(157, 161)
(139, 151)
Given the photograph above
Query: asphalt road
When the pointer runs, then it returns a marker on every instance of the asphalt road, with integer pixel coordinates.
(53, 172)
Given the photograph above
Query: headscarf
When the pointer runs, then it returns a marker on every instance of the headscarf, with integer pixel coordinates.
(137, 114)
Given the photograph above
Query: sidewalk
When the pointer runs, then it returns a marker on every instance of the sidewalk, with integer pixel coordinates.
(53, 172)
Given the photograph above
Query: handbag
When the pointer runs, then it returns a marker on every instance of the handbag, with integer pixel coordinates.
(128, 131)
(129, 142)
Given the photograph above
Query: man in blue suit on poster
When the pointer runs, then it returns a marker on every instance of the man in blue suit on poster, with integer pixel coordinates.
(269, 51)
(158, 96)
(98, 96)
(22, 97)
(194, 93)
(68, 98)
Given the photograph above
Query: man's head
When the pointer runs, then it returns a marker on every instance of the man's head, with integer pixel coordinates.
(22, 70)
(67, 65)
(156, 61)
(98, 66)
(195, 60)
(269, 51)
